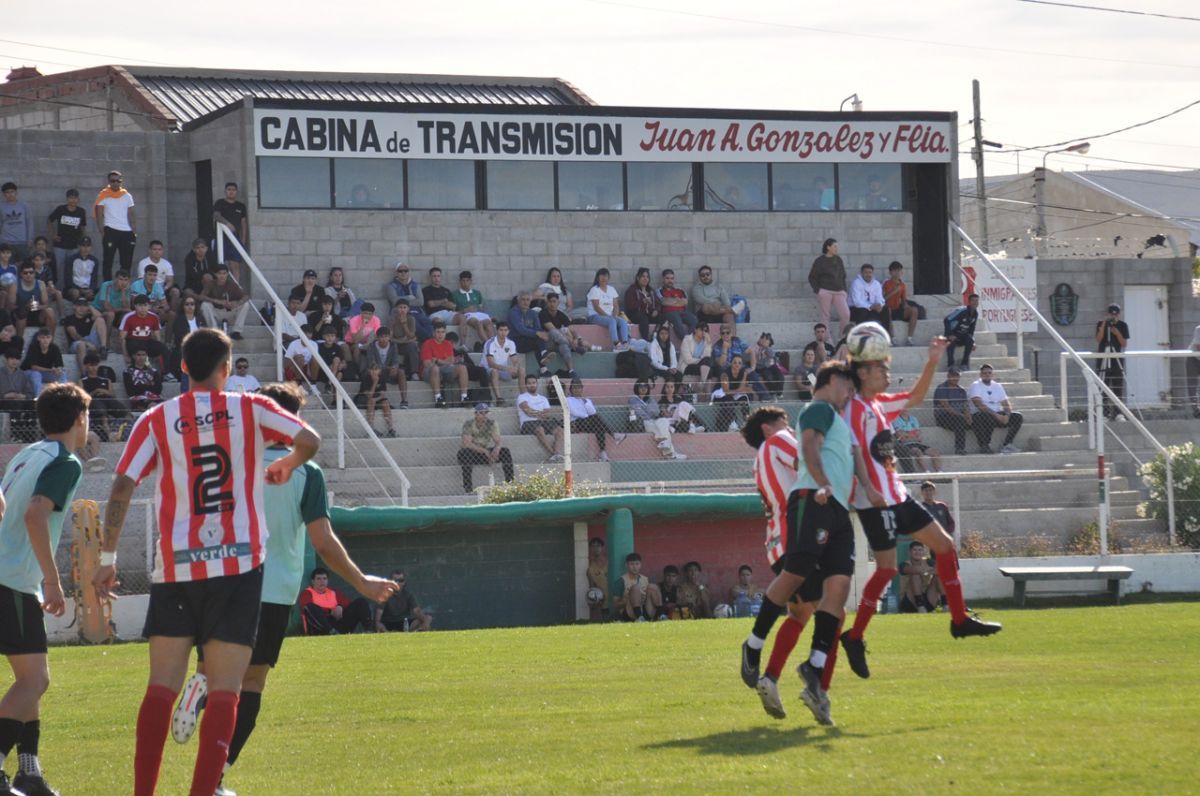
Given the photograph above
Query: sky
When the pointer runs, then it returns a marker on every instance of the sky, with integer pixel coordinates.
(1049, 74)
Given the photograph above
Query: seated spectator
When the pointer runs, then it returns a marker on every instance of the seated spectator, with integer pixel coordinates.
(324, 612)
(895, 295)
(334, 354)
(67, 227)
(114, 299)
(166, 271)
(744, 594)
(728, 346)
(44, 361)
(936, 508)
(679, 411)
(538, 418)
(197, 269)
(140, 331)
(310, 293)
(9, 341)
(475, 373)
(105, 405)
(481, 444)
(468, 304)
(150, 286)
(297, 315)
(437, 362)
(223, 300)
(187, 320)
(597, 575)
(501, 361)
(990, 408)
(562, 340)
(920, 589)
(143, 382)
(361, 330)
(693, 594)
(41, 245)
(820, 346)
(401, 612)
(767, 367)
(325, 316)
(674, 301)
(381, 368)
(586, 420)
(805, 374)
(17, 394)
(85, 331)
(653, 417)
(637, 599)
(45, 272)
(82, 272)
(8, 271)
(439, 300)
(733, 396)
(605, 310)
(909, 447)
(526, 333)
(566, 300)
(242, 379)
(866, 298)
(695, 355)
(297, 359)
(959, 327)
(405, 338)
(345, 303)
(642, 304)
(710, 301)
(403, 289)
(663, 356)
(669, 589)
(28, 301)
(164, 293)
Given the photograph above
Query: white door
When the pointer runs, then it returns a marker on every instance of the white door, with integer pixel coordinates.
(1147, 379)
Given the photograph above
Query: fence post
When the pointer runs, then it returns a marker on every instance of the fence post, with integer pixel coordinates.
(341, 432)
(1020, 328)
(1170, 497)
(1062, 385)
(619, 530)
(278, 332)
(955, 509)
(568, 470)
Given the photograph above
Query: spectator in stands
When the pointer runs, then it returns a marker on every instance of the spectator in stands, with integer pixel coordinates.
(325, 612)
(468, 304)
(325, 316)
(866, 298)
(197, 269)
(381, 368)
(401, 612)
(895, 296)
(663, 356)
(1193, 373)
(744, 593)
(17, 394)
(114, 299)
(334, 353)
(642, 304)
(1112, 335)
(959, 327)
(45, 272)
(990, 408)
(405, 339)
(501, 360)
(44, 361)
(586, 420)
(605, 310)
(597, 574)
(637, 600)
(475, 373)
(951, 409)
(525, 331)
(566, 301)
(805, 374)
(82, 272)
(297, 359)
(67, 228)
(936, 508)
(767, 367)
(105, 405)
(676, 408)
(28, 300)
(8, 271)
(141, 331)
(695, 355)
(242, 379)
(143, 382)
(9, 340)
(85, 331)
(539, 419)
(481, 444)
(710, 301)
(920, 589)
(910, 448)
(693, 594)
(16, 222)
(403, 289)
(117, 221)
(669, 589)
(674, 301)
(437, 362)
(652, 416)
(151, 286)
(345, 303)
(228, 212)
(186, 321)
(827, 277)
(166, 271)
(728, 346)
(820, 346)
(360, 331)
(223, 301)
(297, 314)
(734, 395)
(310, 293)
(439, 301)
(562, 340)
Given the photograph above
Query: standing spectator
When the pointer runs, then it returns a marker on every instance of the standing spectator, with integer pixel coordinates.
(381, 368)
(242, 379)
(990, 408)
(325, 316)
(166, 271)
(827, 277)
(663, 356)
(186, 321)
(325, 612)
(228, 212)
(711, 302)
(959, 327)
(481, 444)
(866, 298)
(402, 612)
(143, 383)
(141, 331)
(403, 289)
(197, 269)
(642, 304)
(28, 301)
(150, 285)
(805, 374)
(17, 394)
(114, 299)
(67, 227)
(538, 418)
(597, 574)
(562, 339)
(16, 222)
(345, 303)
(406, 340)
(468, 303)
(733, 396)
(936, 508)
(895, 295)
(605, 310)
(82, 272)
(767, 367)
(501, 360)
(695, 354)
(693, 594)
(654, 417)
(437, 362)
(85, 332)
(360, 331)
(1193, 373)
(586, 420)
(526, 332)
(679, 411)
(1112, 335)
(566, 301)
(674, 301)
(438, 300)
(951, 409)
(636, 599)
(105, 405)
(909, 448)
(309, 293)
(117, 221)
(920, 589)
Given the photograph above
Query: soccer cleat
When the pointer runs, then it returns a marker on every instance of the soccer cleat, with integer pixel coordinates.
(856, 654)
(6, 788)
(974, 626)
(750, 661)
(222, 790)
(768, 692)
(31, 785)
(187, 712)
(813, 696)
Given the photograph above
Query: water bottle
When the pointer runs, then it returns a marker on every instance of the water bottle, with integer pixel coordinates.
(406, 624)
(756, 605)
(893, 606)
(741, 606)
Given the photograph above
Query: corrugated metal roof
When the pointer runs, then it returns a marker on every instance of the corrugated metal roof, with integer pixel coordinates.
(190, 98)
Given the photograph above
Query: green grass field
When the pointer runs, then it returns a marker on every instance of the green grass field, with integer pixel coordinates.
(1069, 700)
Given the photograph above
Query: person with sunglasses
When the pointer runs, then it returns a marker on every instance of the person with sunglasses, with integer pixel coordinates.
(242, 379)
(28, 300)
(116, 219)
(187, 321)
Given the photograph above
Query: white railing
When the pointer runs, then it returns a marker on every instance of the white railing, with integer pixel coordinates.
(1063, 359)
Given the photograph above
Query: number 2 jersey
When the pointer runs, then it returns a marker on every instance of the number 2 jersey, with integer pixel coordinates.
(207, 451)
(871, 424)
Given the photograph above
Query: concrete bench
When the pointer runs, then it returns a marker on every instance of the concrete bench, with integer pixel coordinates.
(1022, 575)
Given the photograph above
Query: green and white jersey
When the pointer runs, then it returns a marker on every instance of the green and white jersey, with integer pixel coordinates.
(290, 508)
(44, 468)
(837, 456)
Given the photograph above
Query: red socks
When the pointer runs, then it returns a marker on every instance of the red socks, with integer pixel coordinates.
(947, 572)
(785, 641)
(870, 599)
(216, 728)
(831, 661)
(153, 723)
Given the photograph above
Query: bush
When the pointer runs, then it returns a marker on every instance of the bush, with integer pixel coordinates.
(1185, 463)
(1086, 541)
(544, 484)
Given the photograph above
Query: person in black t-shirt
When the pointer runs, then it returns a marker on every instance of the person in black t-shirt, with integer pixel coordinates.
(68, 223)
(44, 361)
(439, 301)
(562, 340)
(232, 214)
(143, 382)
(325, 316)
(86, 331)
(333, 353)
(309, 293)
(1112, 335)
(197, 272)
(98, 383)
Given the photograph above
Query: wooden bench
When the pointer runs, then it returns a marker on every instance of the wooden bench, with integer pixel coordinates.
(1022, 575)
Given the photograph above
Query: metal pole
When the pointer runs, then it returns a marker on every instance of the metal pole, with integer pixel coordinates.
(568, 474)
(1039, 195)
(341, 431)
(279, 310)
(1170, 498)
(1102, 479)
(1062, 385)
(1091, 417)
(1020, 329)
(954, 508)
(977, 153)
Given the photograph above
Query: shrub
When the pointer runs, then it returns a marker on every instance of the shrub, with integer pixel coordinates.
(545, 484)
(1086, 541)
(1185, 463)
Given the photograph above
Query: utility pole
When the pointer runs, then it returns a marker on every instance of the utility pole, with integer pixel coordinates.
(977, 153)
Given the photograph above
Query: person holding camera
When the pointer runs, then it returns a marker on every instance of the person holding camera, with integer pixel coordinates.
(1111, 336)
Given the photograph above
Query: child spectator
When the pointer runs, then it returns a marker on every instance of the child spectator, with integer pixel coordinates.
(744, 594)
(334, 354)
(141, 331)
(360, 332)
(325, 316)
(920, 589)
(693, 593)
(382, 367)
(637, 600)
(405, 337)
(597, 575)
(502, 362)
(143, 382)
(910, 448)
(44, 361)
(81, 272)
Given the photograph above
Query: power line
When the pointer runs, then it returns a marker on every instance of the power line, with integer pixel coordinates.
(69, 104)
(23, 58)
(1168, 115)
(107, 56)
(1084, 7)
(1089, 210)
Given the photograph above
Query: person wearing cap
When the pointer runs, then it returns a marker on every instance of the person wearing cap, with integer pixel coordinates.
(223, 300)
(117, 221)
(586, 420)
(81, 272)
(403, 289)
(67, 225)
(959, 328)
(950, 409)
(481, 444)
(468, 304)
(86, 332)
(309, 292)
(16, 222)
(197, 270)
(1112, 335)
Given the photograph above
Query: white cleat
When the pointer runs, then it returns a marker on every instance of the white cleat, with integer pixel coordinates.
(768, 692)
(187, 712)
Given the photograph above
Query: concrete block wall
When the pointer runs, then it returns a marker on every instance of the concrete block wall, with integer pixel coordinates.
(87, 112)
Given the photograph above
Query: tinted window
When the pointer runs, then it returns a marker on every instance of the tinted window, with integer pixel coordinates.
(590, 186)
(520, 185)
(869, 187)
(660, 186)
(293, 182)
(368, 183)
(735, 186)
(441, 184)
(803, 186)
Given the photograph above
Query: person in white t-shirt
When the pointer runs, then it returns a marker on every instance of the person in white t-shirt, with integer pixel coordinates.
(166, 271)
(297, 359)
(538, 418)
(990, 408)
(502, 362)
(586, 420)
(242, 379)
(604, 309)
(1193, 374)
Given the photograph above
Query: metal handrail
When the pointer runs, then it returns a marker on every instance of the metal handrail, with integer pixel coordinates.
(1063, 357)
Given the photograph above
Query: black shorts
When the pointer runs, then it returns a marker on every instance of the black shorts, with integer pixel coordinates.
(273, 623)
(817, 536)
(882, 525)
(221, 609)
(22, 626)
(810, 591)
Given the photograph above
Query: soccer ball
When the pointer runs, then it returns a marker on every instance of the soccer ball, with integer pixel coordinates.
(722, 611)
(869, 342)
(595, 595)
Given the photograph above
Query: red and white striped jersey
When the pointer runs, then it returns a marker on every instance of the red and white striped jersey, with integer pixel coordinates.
(871, 425)
(774, 473)
(207, 448)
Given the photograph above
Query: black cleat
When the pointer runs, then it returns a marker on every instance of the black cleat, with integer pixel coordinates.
(5, 788)
(750, 661)
(32, 785)
(815, 698)
(974, 626)
(856, 654)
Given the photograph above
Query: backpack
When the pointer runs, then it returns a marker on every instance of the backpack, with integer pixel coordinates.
(632, 365)
(742, 316)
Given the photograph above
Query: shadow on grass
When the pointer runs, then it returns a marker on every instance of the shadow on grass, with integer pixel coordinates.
(1099, 600)
(766, 739)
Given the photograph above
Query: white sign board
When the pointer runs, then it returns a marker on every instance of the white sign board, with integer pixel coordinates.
(997, 305)
(458, 136)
